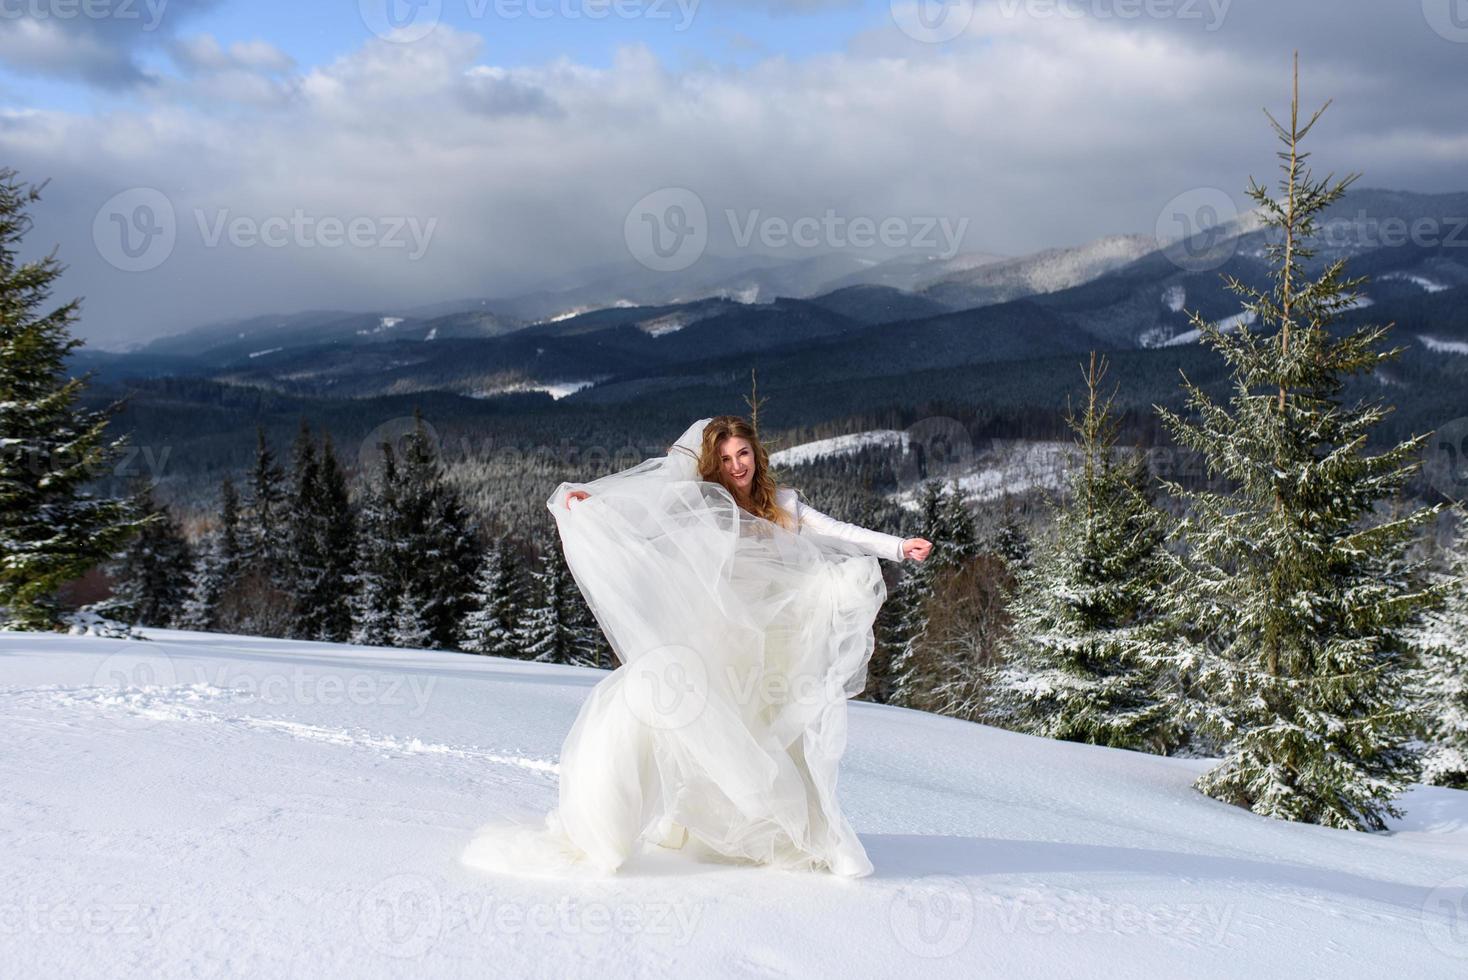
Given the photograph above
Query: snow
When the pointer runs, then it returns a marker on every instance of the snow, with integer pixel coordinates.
(845, 445)
(1174, 298)
(383, 323)
(556, 389)
(199, 804)
(432, 333)
(1443, 346)
(262, 353)
(1421, 281)
(1005, 467)
(1224, 326)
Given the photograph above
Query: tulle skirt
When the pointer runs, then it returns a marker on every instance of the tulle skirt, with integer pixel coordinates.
(739, 643)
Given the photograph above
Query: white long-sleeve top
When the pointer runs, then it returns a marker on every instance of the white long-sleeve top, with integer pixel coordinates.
(882, 545)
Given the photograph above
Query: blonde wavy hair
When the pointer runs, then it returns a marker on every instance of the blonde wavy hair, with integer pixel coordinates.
(762, 488)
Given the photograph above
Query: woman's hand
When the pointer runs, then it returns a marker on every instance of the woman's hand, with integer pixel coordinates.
(575, 495)
(917, 548)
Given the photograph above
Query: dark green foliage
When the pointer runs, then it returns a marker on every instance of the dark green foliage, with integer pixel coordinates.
(52, 526)
(1083, 661)
(1296, 590)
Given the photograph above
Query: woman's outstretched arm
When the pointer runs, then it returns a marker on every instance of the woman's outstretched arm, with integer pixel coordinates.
(878, 543)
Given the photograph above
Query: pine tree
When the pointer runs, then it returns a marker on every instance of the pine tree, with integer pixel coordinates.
(375, 585)
(304, 557)
(420, 552)
(1011, 541)
(441, 553)
(946, 522)
(1086, 643)
(558, 628)
(152, 575)
(263, 540)
(492, 628)
(323, 543)
(216, 565)
(1297, 601)
(52, 528)
(338, 528)
(1442, 686)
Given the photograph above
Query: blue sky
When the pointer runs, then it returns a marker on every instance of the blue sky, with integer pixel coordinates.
(312, 33)
(522, 147)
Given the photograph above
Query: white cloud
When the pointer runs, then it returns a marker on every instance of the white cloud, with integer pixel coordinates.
(1038, 132)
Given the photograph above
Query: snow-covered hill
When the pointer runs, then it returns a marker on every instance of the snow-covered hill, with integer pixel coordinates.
(208, 805)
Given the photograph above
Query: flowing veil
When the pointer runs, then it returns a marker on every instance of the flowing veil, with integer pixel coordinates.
(739, 643)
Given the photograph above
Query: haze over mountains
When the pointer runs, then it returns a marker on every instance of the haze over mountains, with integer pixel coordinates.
(835, 335)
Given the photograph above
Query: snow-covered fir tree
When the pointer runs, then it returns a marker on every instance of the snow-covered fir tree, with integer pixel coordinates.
(558, 627)
(493, 627)
(411, 626)
(260, 603)
(375, 585)
(441, 552)
(1295, 599)
(263, 540)
(52, 527)
(420, 549)
(322, 543)
(919, 666)
(152, 576)
(1010, 540)
(1086, 644)
(1443, 681)
(216, 565)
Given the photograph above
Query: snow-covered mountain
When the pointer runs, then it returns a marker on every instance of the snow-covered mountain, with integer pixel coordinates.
(199, 805)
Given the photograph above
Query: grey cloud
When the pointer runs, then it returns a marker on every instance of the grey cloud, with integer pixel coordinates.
(97, 43)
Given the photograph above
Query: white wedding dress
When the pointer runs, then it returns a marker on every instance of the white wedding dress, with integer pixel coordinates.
(740, 642)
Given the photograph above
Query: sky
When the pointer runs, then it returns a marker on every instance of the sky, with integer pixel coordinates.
(213, 159)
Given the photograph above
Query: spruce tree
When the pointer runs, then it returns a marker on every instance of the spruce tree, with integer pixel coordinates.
(264, 541)
(322, 542)
(1086, 642)
(559, 628)
(153, 574)
(375, 584)
(304, 558)
(947, 523)
(440, 551)
(1443, 681)
(1296, 599)
(338, 528)
(420, 552)
(216, 565)
(52, 528)
(492, 628)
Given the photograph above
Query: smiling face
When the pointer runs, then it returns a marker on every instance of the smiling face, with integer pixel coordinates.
(736, 462)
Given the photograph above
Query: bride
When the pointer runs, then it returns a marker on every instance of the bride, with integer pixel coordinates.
(742, 619)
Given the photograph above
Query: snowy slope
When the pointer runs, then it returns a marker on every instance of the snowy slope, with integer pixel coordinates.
(208, 805)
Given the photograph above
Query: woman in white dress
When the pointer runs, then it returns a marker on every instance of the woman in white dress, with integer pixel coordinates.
(743, 622)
